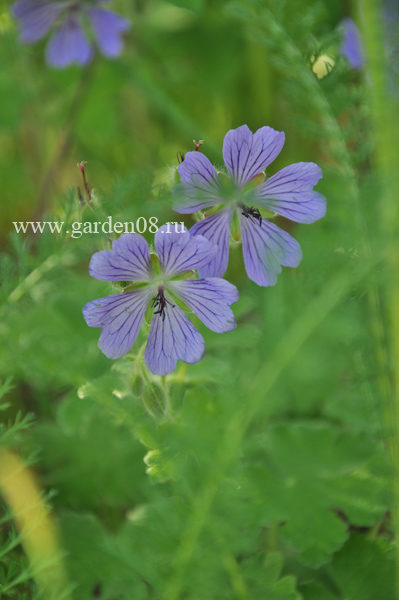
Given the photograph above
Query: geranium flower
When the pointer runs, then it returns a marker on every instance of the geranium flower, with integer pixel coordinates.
(69, 18)
(172, 336)
(352, 44)
(288, 193)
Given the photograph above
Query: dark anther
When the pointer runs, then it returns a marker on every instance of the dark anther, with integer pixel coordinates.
(180, 157)
(159, 302)
(251, 212)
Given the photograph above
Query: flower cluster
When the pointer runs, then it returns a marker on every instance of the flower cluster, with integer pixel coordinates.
(167, 283)
(70, 19)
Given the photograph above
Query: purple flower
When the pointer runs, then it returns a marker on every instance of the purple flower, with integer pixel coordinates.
(172, 336)
(288, 193)
(69, 43)
(352, 44)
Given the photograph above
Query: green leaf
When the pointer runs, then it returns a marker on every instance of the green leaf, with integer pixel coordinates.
(263, 578)
(92, 565)
(310, 472)
(364, 568)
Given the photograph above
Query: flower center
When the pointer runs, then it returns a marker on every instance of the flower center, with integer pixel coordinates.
(159, 302)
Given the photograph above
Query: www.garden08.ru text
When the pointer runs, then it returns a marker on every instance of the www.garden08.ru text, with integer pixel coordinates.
(78, 228)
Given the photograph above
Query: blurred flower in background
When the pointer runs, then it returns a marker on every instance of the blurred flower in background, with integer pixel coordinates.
(391, 33)
(70, 19)
(352, 45)
(288, 193)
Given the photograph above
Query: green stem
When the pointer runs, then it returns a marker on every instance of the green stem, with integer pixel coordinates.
(36, 275)
(64, 142)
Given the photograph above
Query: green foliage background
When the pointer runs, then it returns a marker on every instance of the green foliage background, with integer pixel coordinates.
(272, 474)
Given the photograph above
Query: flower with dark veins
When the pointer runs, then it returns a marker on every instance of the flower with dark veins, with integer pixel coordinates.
(70, 19)
(159, 284)
(251, 200)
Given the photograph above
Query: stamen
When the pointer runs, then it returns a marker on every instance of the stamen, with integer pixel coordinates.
(159, 301)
